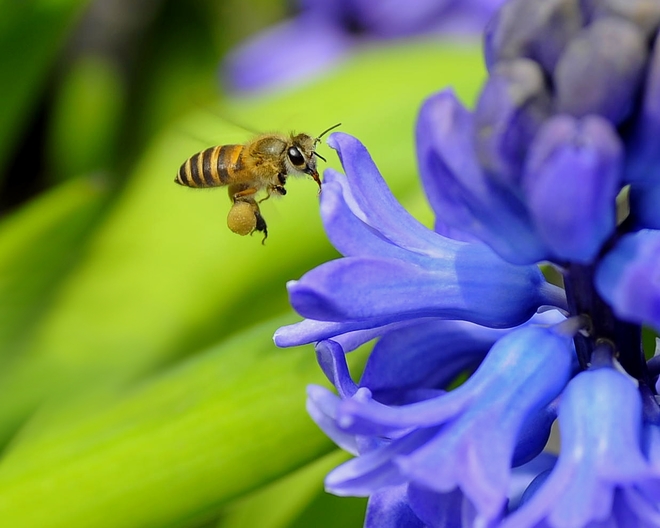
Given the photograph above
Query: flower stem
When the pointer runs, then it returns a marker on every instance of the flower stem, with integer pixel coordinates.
(584, 300)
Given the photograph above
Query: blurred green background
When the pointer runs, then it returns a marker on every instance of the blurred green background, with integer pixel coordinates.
(139, 382)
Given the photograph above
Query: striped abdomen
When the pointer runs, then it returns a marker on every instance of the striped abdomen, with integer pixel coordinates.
(212, 167)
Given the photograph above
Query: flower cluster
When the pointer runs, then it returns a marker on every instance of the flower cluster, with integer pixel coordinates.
(559, 162)
(325, 31)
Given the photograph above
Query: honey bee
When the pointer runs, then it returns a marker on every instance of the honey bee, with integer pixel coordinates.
(260, 164)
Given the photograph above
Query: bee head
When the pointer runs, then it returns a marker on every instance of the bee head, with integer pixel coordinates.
(301, 154)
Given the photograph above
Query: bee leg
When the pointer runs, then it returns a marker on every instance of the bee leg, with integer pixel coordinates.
(277, 189)
(245, 193)
(261, 226)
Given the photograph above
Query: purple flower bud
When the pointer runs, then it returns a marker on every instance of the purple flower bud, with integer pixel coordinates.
(601, 70)
(628, 277)
(512, 106)
(572, 177)
(645, 14)
(459, 191)
(644, 155)
(548, 27)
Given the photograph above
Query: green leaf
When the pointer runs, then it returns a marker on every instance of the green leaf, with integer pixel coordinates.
(39, 245)
(87, 114)
(298, 500)
(31, 34)
(175, 447)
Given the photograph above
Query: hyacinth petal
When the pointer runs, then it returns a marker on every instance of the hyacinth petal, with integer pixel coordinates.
(377, 203)
(643, 161)
(571, 180)
(322, 408)
(475, 285)
(480, 461)
(523, 476)
(645, 14)
(428, 353)
(601, 70)
(534, 364)
(512, 106)
(436, 509)
(357, 415)
(350, 335)
(461, 196)
(534, 435)
(388, 18)
(376, 469)
(627, 277)
(389, 508)
(286, 54)
(332, 360)
(350, 235)
(548, 27)
(600, 420)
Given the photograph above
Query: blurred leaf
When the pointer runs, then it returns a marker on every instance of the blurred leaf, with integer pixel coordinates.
(175, 447)
(86, 119)
(39, 244)
(298, 500)
(31, 34)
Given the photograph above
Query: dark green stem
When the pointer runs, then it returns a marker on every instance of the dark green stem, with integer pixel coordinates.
(626, 337)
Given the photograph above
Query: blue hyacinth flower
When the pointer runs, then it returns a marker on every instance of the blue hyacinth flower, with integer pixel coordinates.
(476, 355)
(325, 31)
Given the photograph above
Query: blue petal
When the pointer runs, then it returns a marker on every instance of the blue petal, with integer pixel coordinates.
(375, 205)
(332, 360)
(644, 14)
(600, 420)
(479, 420)
(347, 232)
(572, 177)
(348, 335)
(396, 18)
(601, 70)
(285, 55)
(643, 159)
(512, 106)
(389, 508)
(534, 435)
(460, 194)
(627, 278)
(368, 473)
(522, 477)
(322, 407)
(429, 353)
(436, 509)
(548, 27)
(475, 286)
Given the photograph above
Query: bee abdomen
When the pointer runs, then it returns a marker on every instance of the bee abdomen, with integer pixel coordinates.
(212, 167)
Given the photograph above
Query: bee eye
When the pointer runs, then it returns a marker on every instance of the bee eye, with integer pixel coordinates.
(296, 157)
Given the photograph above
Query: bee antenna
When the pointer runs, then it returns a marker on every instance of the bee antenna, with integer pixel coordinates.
(326, 131)
(319, 156)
